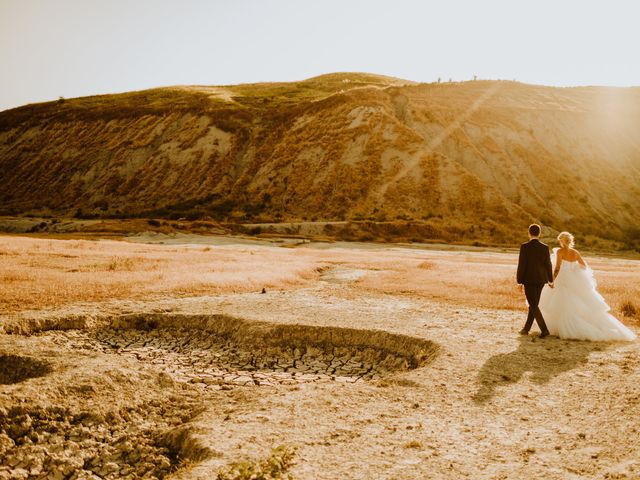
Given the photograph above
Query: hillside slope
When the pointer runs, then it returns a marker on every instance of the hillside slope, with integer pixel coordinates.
(469, 160)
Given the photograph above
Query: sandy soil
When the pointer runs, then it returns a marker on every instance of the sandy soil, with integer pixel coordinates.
(361, 375)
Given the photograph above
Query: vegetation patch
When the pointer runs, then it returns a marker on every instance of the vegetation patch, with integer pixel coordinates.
(274, 467)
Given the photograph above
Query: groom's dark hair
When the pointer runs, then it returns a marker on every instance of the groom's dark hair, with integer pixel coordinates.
(534, 229)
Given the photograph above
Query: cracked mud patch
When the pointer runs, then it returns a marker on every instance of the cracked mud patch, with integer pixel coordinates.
(217, 352)
(123, 396)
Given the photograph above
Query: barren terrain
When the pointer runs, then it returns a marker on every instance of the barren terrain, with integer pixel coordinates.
(206, 357)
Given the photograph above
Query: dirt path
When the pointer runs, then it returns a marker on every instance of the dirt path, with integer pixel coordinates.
(489, 404)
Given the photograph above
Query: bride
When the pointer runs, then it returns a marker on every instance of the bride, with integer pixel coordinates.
(574, 308)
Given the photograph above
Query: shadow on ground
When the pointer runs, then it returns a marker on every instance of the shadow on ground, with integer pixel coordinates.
(544, 359)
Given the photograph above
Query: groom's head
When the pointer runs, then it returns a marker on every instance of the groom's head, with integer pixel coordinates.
(534, 230)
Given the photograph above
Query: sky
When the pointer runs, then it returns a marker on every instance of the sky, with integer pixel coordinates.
(72, 48)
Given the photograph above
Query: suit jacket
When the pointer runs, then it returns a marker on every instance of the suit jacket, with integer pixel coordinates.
(534, 264)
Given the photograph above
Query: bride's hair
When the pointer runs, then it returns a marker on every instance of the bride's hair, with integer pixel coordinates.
(566, 239)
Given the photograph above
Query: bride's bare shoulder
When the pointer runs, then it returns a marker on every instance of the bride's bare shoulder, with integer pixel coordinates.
(577, 257)
(569, 254)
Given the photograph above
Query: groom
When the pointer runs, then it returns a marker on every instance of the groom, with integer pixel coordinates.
(534, 271)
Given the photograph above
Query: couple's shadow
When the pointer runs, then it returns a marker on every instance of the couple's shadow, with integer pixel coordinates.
(543, 359)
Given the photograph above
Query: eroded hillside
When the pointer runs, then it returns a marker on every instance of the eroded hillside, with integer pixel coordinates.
(457, 160)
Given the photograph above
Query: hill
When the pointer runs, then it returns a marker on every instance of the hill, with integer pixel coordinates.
(470, 161)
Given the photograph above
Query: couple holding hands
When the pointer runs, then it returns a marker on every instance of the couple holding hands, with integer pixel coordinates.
(571, 307)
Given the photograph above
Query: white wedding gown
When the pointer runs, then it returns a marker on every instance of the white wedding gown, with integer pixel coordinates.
(575, 309)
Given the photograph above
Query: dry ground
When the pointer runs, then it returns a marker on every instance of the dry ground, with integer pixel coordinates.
(117, 352)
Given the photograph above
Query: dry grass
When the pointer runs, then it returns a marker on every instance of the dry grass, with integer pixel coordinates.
(470, 279)
(629, 309)
(487, 280)
(413, 444)
(274, 467)
(41, 273)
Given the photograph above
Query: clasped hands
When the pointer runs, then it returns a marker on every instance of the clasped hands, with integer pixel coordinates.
(521, 286)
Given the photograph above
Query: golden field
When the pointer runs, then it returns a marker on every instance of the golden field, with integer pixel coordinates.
(40, 273)
(46, 273)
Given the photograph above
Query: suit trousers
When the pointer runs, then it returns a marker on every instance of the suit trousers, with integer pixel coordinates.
(532, 292)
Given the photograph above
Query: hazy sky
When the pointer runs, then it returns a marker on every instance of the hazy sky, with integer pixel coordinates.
(70, 48)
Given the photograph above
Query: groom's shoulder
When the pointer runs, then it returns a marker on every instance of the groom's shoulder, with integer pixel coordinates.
(526, 247)
(534, 244)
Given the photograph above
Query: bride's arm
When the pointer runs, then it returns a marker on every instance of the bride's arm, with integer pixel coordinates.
(581, 261)
(558, 262)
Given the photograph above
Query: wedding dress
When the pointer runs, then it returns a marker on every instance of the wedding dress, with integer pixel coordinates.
(575, 309)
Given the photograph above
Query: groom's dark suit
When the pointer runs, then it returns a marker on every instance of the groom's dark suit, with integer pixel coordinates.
(534, 271)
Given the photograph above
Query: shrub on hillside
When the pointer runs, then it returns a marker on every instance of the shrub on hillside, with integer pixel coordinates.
(80, 214)
(194, 215)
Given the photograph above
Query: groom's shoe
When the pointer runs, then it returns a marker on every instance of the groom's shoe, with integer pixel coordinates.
(544, 334)
(524, 332)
